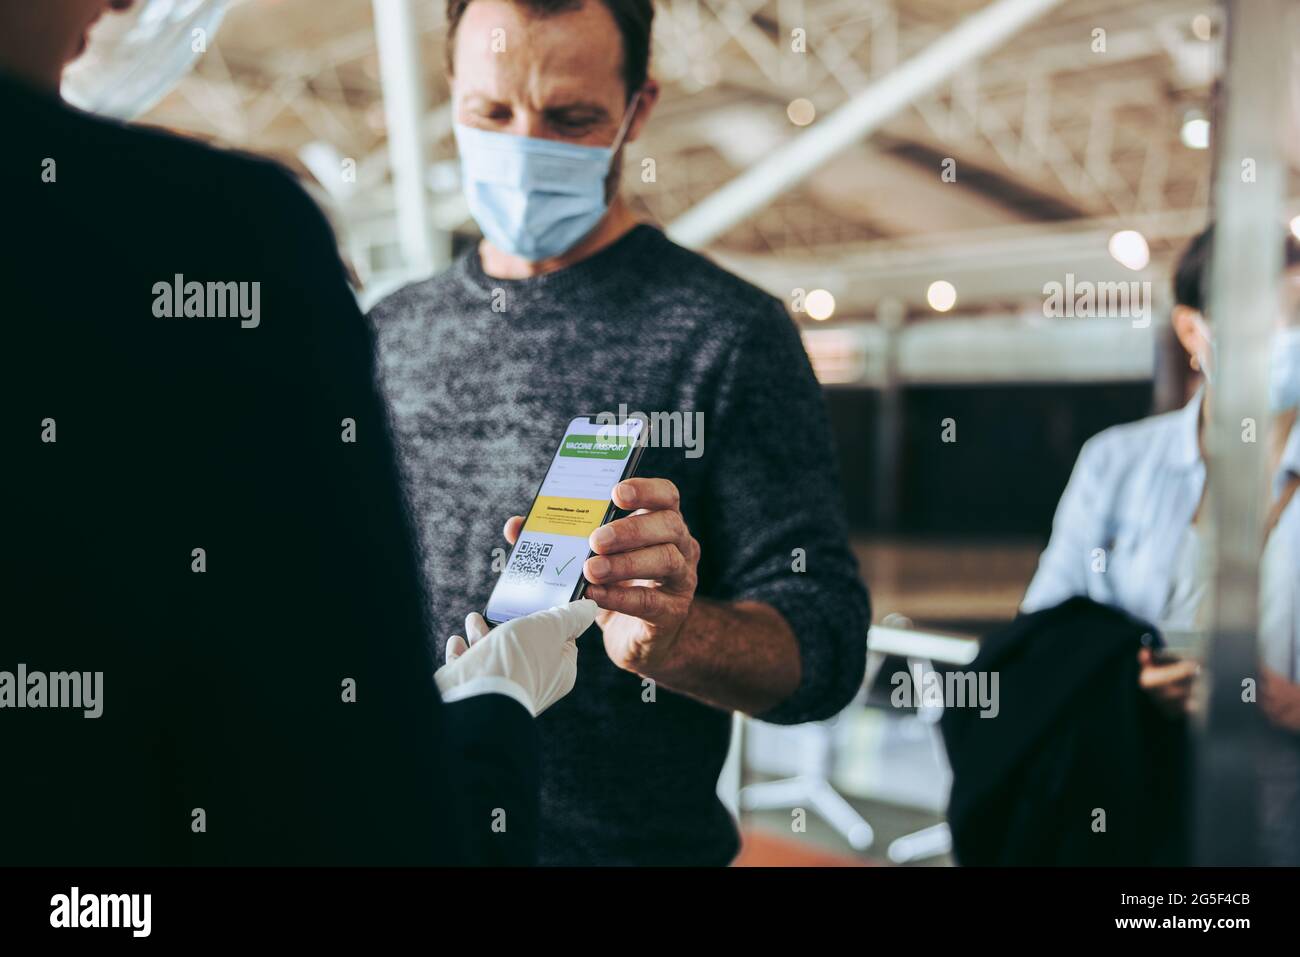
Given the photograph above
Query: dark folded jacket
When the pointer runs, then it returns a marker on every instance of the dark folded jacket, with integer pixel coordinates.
(1078, 767)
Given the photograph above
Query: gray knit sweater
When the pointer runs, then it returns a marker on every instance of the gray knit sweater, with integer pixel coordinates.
(482, 375)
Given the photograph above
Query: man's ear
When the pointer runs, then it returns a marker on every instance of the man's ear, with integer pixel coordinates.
(1188, 330)
(644, 104)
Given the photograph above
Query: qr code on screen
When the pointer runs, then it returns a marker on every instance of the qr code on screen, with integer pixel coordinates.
(529, 560)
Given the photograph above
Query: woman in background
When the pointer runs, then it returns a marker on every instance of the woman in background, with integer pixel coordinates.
(1128, 530)
(1128, 533)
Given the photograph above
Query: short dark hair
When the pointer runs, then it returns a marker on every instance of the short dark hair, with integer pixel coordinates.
(1192, 277)
(633, 17)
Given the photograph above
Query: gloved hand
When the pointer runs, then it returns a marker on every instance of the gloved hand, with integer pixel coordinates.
(532, 659)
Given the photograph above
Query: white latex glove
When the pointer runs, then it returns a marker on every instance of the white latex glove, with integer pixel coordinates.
(532, 659)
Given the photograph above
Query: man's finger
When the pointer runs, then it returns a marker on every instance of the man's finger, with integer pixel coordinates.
(658, 563)
(636, 601)
(456, 646)
(651, 493)
(641, 531)
(514, 524)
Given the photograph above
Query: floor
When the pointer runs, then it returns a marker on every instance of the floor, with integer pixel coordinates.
(767, 841)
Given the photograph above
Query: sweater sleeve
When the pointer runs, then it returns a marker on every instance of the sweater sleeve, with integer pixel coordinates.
(777, 531)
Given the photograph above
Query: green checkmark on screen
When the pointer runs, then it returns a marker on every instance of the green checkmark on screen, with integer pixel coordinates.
(560, 568)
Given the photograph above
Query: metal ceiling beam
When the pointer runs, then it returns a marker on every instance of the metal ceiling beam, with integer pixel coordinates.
(761, 183)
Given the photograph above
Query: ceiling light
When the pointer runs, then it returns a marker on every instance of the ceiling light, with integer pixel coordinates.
(1129, 248)
(942, 295)
(820, 304)
(1195, 133)
(801, 112)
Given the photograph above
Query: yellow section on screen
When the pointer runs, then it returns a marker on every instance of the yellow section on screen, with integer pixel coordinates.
(565, 516)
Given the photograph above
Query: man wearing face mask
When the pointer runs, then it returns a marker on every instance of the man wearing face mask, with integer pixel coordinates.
(732, 587)
(1138, 492)
(215, 639)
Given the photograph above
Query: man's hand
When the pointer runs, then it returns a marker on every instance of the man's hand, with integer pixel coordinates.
(643, 573)
(1169, 685)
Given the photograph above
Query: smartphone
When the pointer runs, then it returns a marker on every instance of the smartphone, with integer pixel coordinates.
(574, 499)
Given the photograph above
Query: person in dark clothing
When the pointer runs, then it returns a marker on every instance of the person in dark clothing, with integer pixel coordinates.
(216, 638)
(734, 589)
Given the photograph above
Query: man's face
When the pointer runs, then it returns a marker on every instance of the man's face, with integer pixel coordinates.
(556, 77)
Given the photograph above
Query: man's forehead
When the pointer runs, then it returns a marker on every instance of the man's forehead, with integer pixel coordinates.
(568, 47)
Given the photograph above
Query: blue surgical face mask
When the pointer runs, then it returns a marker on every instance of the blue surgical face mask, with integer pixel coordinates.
(1284, 371)
(135, 57)
(535, 198)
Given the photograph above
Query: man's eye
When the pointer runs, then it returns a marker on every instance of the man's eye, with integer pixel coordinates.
(571, 125)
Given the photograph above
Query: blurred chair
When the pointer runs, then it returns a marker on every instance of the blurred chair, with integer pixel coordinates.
(922, 650)
(812, 788)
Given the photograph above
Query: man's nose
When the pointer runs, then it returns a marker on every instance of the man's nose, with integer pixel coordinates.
(528, 122)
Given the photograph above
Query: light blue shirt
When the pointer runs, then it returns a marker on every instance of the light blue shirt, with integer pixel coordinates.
(1123, 518)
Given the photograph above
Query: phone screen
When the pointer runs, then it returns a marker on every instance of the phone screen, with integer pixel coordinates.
(575, 498)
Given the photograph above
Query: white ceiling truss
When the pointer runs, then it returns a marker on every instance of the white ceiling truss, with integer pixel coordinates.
(1043, 130)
